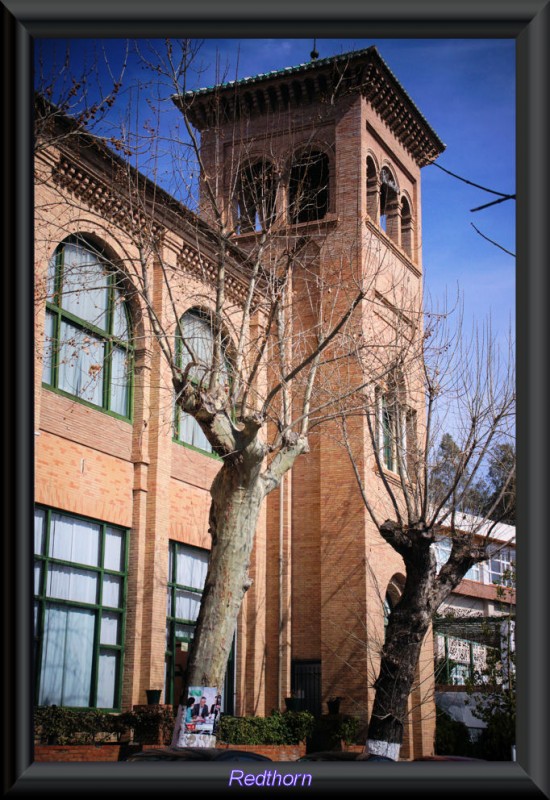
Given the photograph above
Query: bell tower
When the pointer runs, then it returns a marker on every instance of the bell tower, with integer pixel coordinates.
(326, 156)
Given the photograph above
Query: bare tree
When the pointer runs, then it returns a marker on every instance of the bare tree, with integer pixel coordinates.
(265, 362)
(435, 380)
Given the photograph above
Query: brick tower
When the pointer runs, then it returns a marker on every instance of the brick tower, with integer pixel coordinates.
(337, 146)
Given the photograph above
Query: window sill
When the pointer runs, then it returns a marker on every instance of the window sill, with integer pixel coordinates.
(213, 456)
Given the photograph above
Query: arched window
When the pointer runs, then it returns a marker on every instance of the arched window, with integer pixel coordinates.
(406, 227)
(198, 347)
(396, 427)
(388, 203)
(256, 197)
(388, 605)
(88, 351)
(308, 191)
(372, 189)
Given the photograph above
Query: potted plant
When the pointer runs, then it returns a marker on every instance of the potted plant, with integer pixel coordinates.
(153, 696)
(333, 704)
(294, 702)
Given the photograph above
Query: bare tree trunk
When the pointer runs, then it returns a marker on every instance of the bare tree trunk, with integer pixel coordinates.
(237, 495)
(407, 626)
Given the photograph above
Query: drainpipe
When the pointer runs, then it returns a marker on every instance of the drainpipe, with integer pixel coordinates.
(281, 610)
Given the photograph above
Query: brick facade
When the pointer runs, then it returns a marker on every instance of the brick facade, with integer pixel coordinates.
(320, 569)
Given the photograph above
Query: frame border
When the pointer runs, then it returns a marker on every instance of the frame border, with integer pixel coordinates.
(528, 22)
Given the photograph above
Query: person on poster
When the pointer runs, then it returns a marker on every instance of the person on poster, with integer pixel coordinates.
(216, 707)
(189, 711)
(200, 710)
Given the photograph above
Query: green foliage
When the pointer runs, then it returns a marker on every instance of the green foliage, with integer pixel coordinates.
(501, 489)
(451, 737)
(58, 725)
(332, 729)
(291, 727)
(150, 725)
(495, 742)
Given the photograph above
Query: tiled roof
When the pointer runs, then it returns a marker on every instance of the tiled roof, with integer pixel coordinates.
(357, 71)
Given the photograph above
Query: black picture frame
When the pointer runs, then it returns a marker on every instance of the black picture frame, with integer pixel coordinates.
(526, 21)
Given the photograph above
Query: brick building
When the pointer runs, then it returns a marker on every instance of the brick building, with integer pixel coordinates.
(122, 480)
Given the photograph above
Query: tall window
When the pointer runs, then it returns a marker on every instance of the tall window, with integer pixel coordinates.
(187, 568)
(388, 431)
(198, 347)
(372, 189)
(309, 187)
(388, 203)
(256, 197)
(87, 348)
(396, 430)
(406, 227)
(80, 589)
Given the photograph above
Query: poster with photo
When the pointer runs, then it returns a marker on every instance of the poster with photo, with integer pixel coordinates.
(203, 708)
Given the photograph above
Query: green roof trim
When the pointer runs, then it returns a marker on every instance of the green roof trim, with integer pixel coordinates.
(369, 54)
(277, 73)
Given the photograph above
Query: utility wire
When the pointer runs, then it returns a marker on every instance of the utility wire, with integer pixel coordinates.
(492, 241)
(477, 185)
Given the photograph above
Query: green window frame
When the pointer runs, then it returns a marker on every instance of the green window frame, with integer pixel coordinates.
(187, 430)
(88, 356)
(79, 610)
(180, 628)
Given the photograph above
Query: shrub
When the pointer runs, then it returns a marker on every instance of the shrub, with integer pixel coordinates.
(150, 725)
(291, 727)
(495, 742)
(332, 729)
(451, 737)
(58, 725)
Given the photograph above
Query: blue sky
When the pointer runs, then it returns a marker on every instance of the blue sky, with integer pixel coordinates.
(466, 90)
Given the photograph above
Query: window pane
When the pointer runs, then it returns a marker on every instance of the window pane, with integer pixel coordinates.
(36, 612)
(114, 550)
(169, 602)
(106, 681)
(191, 433)
(120, 318)
(50, 278)
(187, 604)
(112, 591)
(47, 358)
(119, 381)
(70, 583)
(65, 676)
(39, 531)
(74, 539)
(191, 567)
(184, 633)
(110, 628)
(171, 561)
(198, 336)
(37, 576)
(85, 281)
(81, 358)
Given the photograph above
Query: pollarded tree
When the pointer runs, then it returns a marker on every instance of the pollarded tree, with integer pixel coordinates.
(251, 343)
(451, 381)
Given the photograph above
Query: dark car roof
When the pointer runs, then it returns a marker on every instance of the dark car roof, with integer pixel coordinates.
(330, 755)
(196, 754)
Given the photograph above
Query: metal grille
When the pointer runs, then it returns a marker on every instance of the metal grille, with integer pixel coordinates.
(306, 684)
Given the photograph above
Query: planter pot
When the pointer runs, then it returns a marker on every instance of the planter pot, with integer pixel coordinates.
(153, 696)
